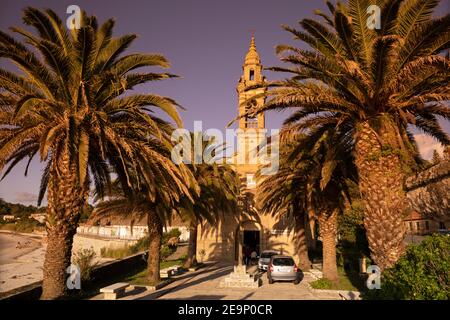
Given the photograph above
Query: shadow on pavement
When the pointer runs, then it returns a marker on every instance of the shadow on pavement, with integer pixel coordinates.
(222, 271)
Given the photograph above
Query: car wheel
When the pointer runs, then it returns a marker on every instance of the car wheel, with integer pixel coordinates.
(296, 281)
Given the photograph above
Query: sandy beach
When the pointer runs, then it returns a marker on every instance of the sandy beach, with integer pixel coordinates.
(21, 259)
(13, 246)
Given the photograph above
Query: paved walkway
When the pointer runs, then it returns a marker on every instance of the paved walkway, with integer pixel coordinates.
(204, 285)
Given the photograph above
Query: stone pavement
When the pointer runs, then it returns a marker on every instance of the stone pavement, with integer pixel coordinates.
(204, 285)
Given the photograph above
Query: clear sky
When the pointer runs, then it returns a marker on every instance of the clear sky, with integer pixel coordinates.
(205, 40)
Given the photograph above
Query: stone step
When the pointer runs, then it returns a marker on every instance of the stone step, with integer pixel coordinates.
(241, 276)
(234, 283)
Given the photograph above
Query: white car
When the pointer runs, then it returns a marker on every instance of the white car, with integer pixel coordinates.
(264, 259)
(283, 268)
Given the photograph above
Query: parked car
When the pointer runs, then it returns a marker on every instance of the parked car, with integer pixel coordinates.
(282, 268)
(264, 259)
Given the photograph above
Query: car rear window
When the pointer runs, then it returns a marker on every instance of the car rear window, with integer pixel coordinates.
(267, 254)
(283, 262)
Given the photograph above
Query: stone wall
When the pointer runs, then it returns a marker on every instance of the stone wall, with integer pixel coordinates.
(84, 241)
(125, 232)
(114, 231)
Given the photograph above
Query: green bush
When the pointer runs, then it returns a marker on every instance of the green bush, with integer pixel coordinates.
(141, 245)
(166, 251)
(422, 273)
(349, 281)
(85, 260)
(322, 284)
(171, 234)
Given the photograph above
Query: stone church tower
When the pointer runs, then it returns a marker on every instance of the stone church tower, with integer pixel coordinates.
(251, 229)
(251, 131)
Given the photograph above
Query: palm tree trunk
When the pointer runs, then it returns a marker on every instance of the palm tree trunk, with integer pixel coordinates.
(302, 246)
(192, 249)
(155, 232)
(65, 202)
(328, 231)
(381, 185)
(310, 224)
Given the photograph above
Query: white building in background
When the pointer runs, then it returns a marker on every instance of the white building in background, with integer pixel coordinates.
(126, 232)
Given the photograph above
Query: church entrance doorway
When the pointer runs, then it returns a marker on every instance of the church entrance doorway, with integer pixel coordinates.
(251, 246)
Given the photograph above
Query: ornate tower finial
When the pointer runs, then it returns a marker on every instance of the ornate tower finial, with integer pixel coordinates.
(252, 57)
(252, 43)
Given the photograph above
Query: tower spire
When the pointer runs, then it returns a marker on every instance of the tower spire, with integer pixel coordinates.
(252, 42)
(252, 57)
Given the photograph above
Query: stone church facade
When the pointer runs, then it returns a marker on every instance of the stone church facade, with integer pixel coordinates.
(251, 228)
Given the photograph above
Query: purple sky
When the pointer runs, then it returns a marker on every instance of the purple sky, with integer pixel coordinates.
(205, 41)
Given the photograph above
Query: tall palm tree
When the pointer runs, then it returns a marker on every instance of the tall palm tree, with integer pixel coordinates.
(213, 189)
(328, 204)
(154, 202)
(219, 190)
(312, 178)
(284, 194)
(69, 106)
(377, 83)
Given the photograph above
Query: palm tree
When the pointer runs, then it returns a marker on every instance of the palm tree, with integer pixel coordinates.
(283, 194)
(377, 84)
(154, 202)
(312, 178)
(69, 106)
(219, 190)
(212, 188)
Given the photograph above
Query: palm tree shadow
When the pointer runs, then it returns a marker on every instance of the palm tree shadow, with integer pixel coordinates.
(218, 272)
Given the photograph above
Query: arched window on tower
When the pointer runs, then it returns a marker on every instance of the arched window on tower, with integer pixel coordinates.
(252, 75)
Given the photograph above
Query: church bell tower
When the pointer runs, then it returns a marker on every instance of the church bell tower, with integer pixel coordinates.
(252, 75)
(251, 131)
